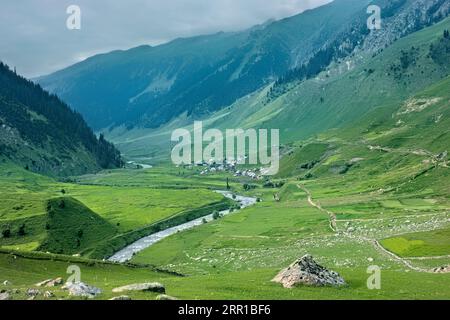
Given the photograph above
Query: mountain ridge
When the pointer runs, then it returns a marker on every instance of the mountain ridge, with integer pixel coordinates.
(41, 133)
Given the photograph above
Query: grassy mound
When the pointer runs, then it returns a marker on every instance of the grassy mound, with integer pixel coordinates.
(73, 228)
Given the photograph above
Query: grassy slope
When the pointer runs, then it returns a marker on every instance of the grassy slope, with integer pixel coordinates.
(116, 210)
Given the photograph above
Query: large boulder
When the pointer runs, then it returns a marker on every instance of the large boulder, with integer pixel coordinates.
(305, 271)
(152, 287)
(5, 296)
(80, 289)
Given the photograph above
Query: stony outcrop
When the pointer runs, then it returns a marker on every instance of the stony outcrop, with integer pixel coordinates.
(443, 269)
(165, 297)
(51, 282)
(305, 271)
(151, 287)
(33, 292)
(80, 289)
(120, 298)
(5, 296)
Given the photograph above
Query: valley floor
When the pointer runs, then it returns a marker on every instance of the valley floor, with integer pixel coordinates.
(345, 228)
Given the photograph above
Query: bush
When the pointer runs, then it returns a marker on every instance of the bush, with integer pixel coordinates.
(248, 187)
(21, 231)
(217, 215)
(6, 233)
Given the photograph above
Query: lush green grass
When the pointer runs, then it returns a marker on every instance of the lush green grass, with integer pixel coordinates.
(119, 212)
(420, 244)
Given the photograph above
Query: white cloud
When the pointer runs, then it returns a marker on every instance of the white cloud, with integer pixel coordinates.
(35, 38)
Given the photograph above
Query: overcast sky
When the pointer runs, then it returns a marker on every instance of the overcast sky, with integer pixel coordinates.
(34, 37)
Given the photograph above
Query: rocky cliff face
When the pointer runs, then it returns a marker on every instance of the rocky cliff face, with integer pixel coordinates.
(402, 17)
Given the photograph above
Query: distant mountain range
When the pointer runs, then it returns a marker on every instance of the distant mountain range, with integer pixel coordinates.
(41, 133)
(148, 86)
(315, 71)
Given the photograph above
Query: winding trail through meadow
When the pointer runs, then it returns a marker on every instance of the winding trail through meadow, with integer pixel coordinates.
(374, 242)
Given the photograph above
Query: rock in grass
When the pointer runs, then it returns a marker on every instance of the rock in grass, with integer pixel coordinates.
(443, 269)
(33, 293)
(51, 282)
(165, 297)
(151, 287)
(305, 271)
(80, 289)
(123, 298)
(5, 296)
(6, 283)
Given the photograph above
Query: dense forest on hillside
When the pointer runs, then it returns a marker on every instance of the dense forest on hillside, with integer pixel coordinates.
(32, 116)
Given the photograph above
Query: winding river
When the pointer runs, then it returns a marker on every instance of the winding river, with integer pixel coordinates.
(128, 252)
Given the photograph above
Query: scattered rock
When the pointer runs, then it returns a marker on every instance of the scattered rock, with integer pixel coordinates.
(165, 297)
(6, 283)
(370, 259)
(80, 289)
(306, 271)
(5, 296)
(443, 269)
(48, 294)
(152, 287)
(33, 292)
(121, 298)
(50, 282)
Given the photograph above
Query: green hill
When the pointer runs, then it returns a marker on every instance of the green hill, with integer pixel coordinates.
(67, 227)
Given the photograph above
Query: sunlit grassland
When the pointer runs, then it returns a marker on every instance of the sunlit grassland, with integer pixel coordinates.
(25, 197)
(23, 273)
(420, 244)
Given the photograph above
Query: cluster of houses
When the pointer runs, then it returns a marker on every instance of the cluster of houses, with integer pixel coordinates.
(212, 166)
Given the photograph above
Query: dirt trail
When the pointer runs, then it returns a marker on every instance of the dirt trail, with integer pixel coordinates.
(373, 242)
(331, 215)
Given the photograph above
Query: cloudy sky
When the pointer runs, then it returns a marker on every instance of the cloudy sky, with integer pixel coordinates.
(34, 37)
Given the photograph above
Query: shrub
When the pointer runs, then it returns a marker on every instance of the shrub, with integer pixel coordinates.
(217, 215)
(6, 233)
(21, 231)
